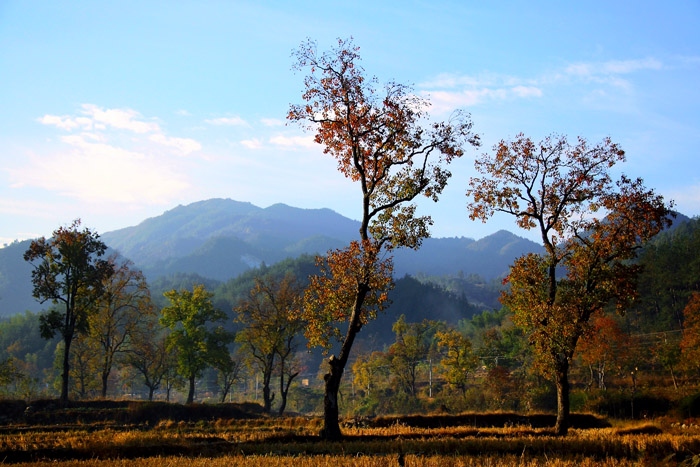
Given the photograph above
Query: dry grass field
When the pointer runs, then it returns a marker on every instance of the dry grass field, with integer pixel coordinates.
(461, 440)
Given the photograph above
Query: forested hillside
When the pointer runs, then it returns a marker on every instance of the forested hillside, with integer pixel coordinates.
(640, 353)
(219, 239)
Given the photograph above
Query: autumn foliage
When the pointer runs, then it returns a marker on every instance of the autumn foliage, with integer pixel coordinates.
(590, 227)
(378, 139)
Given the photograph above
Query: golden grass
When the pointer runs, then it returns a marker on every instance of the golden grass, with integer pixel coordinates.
(293, 441)
(352, 461)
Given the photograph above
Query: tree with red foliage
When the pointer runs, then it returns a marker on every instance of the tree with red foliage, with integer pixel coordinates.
(604, 347)
(377, 139)
(590, 226)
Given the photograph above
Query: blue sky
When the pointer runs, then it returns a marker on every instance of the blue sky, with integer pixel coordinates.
(117, 111)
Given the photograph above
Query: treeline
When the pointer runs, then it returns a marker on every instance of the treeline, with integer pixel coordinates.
(463, 357)
(137, 340)
(641, 363)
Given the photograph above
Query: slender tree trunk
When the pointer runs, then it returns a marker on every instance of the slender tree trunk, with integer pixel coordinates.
(190, 394)
(562, 383)
(284, 390)
(673, 377)
(66, 366)
(150, 393)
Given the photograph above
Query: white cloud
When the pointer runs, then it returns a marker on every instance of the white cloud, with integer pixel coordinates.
(613, 67)
(293, 142)
(446, 101)
(183, 146)
(183, 113)
(63, 122)
(118, 156)
(123, 119)
(229, 121)
(449, 91)
(272, 122)
(98, 172)
(252, 143)
(526, 91)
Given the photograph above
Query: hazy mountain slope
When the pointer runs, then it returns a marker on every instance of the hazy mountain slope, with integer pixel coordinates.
(182, 230)
(16, 280)
(488, 257)
(221, 238)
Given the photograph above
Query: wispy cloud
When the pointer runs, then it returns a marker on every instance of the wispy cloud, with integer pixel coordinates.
(123, 119)
(63, 122)
(446, 101)
(448, 91)
(613, 67)
(272, 122)
(98, 172)
(109, 155)
(184, 146)
(252, 143)
(294, 142)
(229, 121)
(526, 91)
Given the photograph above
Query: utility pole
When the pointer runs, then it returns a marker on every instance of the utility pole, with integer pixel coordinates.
(430, 365)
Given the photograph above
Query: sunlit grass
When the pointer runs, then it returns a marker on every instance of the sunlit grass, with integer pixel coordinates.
(359, 461)
(294, 441)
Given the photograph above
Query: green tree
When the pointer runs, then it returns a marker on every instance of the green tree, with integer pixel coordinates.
(458, 360)
(411, 348)
(68, 273)
(10, 374)
(199, 344)
(589, 226)
(369, 370)
(378, 141)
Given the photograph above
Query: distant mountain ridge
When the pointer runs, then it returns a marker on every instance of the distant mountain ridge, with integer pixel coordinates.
(181, 230)
(222, 238)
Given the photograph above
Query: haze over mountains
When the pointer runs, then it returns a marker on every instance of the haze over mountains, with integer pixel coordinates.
(221, 238)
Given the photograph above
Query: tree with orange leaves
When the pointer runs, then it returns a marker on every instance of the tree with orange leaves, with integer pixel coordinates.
(605, 347)
(589, 225)
(377, 139)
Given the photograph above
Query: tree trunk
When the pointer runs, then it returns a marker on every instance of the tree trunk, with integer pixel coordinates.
(562, 383)
(190, 394)
(331, 427)
(66, 367)
(267, 397)
(284, 390)
(105, 377)
(150, 393)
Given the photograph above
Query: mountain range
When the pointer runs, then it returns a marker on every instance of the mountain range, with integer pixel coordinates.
(221, 238)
